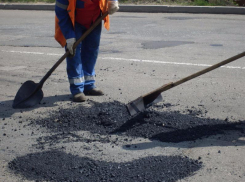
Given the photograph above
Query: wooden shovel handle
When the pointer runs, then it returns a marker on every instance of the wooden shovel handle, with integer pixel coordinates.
(96, 23)
(209, 69)
(160, 89)
(173, 84)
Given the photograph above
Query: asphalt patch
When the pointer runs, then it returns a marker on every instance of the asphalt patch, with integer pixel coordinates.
(163, 44)
(181, 18)
(100, 118)
(154, 123)
(60, 166)
(158, 122)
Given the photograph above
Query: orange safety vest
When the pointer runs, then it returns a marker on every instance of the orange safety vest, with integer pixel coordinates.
(59, 37)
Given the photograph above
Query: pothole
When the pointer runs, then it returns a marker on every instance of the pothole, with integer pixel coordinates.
(163, 44)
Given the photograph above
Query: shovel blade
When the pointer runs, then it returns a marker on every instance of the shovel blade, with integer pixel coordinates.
(136, 106)
(27, 96)
(141, 104)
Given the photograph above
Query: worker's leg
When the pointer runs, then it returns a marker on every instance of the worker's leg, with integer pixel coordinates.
(89, 54)
(74, 66)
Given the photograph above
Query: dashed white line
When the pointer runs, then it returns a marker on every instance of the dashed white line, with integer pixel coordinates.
(23, 52)
(132, 60)
(36, 53)
(173, 63)
(11, 68)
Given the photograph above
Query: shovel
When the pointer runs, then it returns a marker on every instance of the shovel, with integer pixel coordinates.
(147, 100)
(30, 93)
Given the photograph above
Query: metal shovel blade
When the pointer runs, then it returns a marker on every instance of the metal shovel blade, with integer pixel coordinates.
(28, 95)
(141, 104)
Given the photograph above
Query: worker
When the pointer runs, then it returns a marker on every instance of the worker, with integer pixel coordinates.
(73, 18)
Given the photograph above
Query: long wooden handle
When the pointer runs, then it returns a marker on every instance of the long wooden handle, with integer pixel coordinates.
(209, 69)
(96, 23)
(173, 84)
(160, 89)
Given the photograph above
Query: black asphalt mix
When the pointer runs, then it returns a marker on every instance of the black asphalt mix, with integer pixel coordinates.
(60, 166)
(171, 46)
(112, 118)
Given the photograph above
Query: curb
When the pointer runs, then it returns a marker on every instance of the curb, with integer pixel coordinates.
(139, 8)
(183, 9)
(27, 6)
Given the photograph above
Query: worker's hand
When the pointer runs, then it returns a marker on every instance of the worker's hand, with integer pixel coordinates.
(69, 45)
(112, 6)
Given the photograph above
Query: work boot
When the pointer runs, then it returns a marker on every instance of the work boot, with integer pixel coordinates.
(80, 97)
(94, 92)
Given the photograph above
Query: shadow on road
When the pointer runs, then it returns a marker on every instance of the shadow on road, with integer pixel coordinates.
(174, 127)
(225, 135)
(6, 109)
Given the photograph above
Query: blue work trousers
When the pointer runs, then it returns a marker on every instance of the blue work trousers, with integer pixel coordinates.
(80, 68)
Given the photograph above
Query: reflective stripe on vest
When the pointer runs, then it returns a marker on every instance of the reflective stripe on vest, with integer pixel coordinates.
(60, 5)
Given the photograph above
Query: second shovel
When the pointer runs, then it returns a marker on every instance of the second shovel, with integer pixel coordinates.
(145, 101)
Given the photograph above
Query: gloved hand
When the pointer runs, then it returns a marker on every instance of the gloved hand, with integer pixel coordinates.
(69, 45)
(112, 6)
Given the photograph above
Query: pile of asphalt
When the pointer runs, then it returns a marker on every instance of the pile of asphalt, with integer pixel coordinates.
(154, 123)
(103, 120)
(59, 166)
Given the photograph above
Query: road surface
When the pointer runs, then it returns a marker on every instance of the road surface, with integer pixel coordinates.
(141, 52)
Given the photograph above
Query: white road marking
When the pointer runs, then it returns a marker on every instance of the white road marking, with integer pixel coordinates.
(173, 63)
(36, 53)
(10, 68)
(132, 60)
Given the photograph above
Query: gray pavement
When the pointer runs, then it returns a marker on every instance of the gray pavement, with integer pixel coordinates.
(141, 52)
